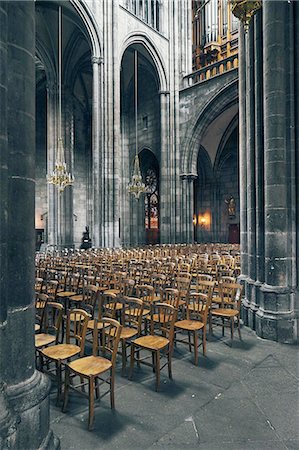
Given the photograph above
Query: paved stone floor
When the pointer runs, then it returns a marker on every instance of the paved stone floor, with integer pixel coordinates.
(243, 396)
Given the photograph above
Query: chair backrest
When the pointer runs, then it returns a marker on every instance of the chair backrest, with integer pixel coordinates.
(230, 294)
(107, 305)
(145, 292)
(76, 327)
(53, 318)
(110, 337)
(51, 288)
(206, 287)
(90, 297)
(198, 306)
(132, 312)
(163, 317)
(203, 277)
(128, 287)
(41, 301)
(171, 296)
(38, 284)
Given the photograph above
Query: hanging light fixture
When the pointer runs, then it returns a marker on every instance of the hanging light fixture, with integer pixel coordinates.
(136, 185)
(60, 177)
(244, 10)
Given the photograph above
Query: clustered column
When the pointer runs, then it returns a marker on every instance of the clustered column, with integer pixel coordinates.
(267, 169)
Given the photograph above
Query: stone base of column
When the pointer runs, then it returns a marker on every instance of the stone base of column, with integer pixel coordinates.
(274, 320)
(29, 408)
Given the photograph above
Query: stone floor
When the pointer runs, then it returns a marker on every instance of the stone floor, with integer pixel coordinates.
(243, 396)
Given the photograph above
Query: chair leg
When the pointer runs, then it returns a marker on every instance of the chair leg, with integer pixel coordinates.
(169, 365)
(204, 340)
(153, 362)
(189, 341)
(232, 325)
(195, 348)
(59, 381)
(222, 327)
(157, 358)
(97, 389)
(131, 361)
(112, 376)
(66, 388)
(124, 356)
(239, 328)
(91, 402)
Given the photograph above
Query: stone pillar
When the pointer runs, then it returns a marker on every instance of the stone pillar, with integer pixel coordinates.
(7, 419)
(243, 167)
(51, 152)
(23, 390)
(250, 163)
(275, 317)
(165, 199)
(187, 207)
(111, 129)
(96, 149)
(296, 59)
(259, 167)
(67, 217)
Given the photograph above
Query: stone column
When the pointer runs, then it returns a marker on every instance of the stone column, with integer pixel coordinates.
(165, 199)
(275, 317)
(259, 166)
(51, 152)
(243, 166)
(7, 418)
(96, 149)
(67, 209)
(23, 390)
(187, 206)
(250, 163)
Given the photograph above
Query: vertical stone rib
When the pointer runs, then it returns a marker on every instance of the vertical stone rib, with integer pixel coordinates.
(250, 139)
(96, 160)
(243, 154)
(259, 152)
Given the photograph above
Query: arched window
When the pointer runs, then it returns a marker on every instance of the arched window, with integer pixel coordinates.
(151, 200)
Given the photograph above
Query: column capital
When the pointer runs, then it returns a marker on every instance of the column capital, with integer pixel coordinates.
(165, 92)
(188, 176)
(97, 60)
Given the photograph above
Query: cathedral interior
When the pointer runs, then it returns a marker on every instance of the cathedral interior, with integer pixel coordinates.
(150, 154)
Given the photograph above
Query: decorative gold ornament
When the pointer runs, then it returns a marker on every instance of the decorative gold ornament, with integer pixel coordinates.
(136, 185)
(244, 10)
(60, 177)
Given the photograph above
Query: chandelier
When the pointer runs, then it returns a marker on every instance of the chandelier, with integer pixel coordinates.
(136, 185)
(244, 10)
(60, 177)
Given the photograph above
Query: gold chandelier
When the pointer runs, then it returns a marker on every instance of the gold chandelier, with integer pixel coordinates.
(244, 10)
(60, 177)
(136, 185)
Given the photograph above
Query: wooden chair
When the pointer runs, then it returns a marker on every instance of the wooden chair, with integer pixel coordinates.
(59, 354)
(231, 297)
(92, 368)
(41, 301)
(51, 289)
(131, 325)
(197, 315)
(38, 287)
(51, 325)
(159, 345)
